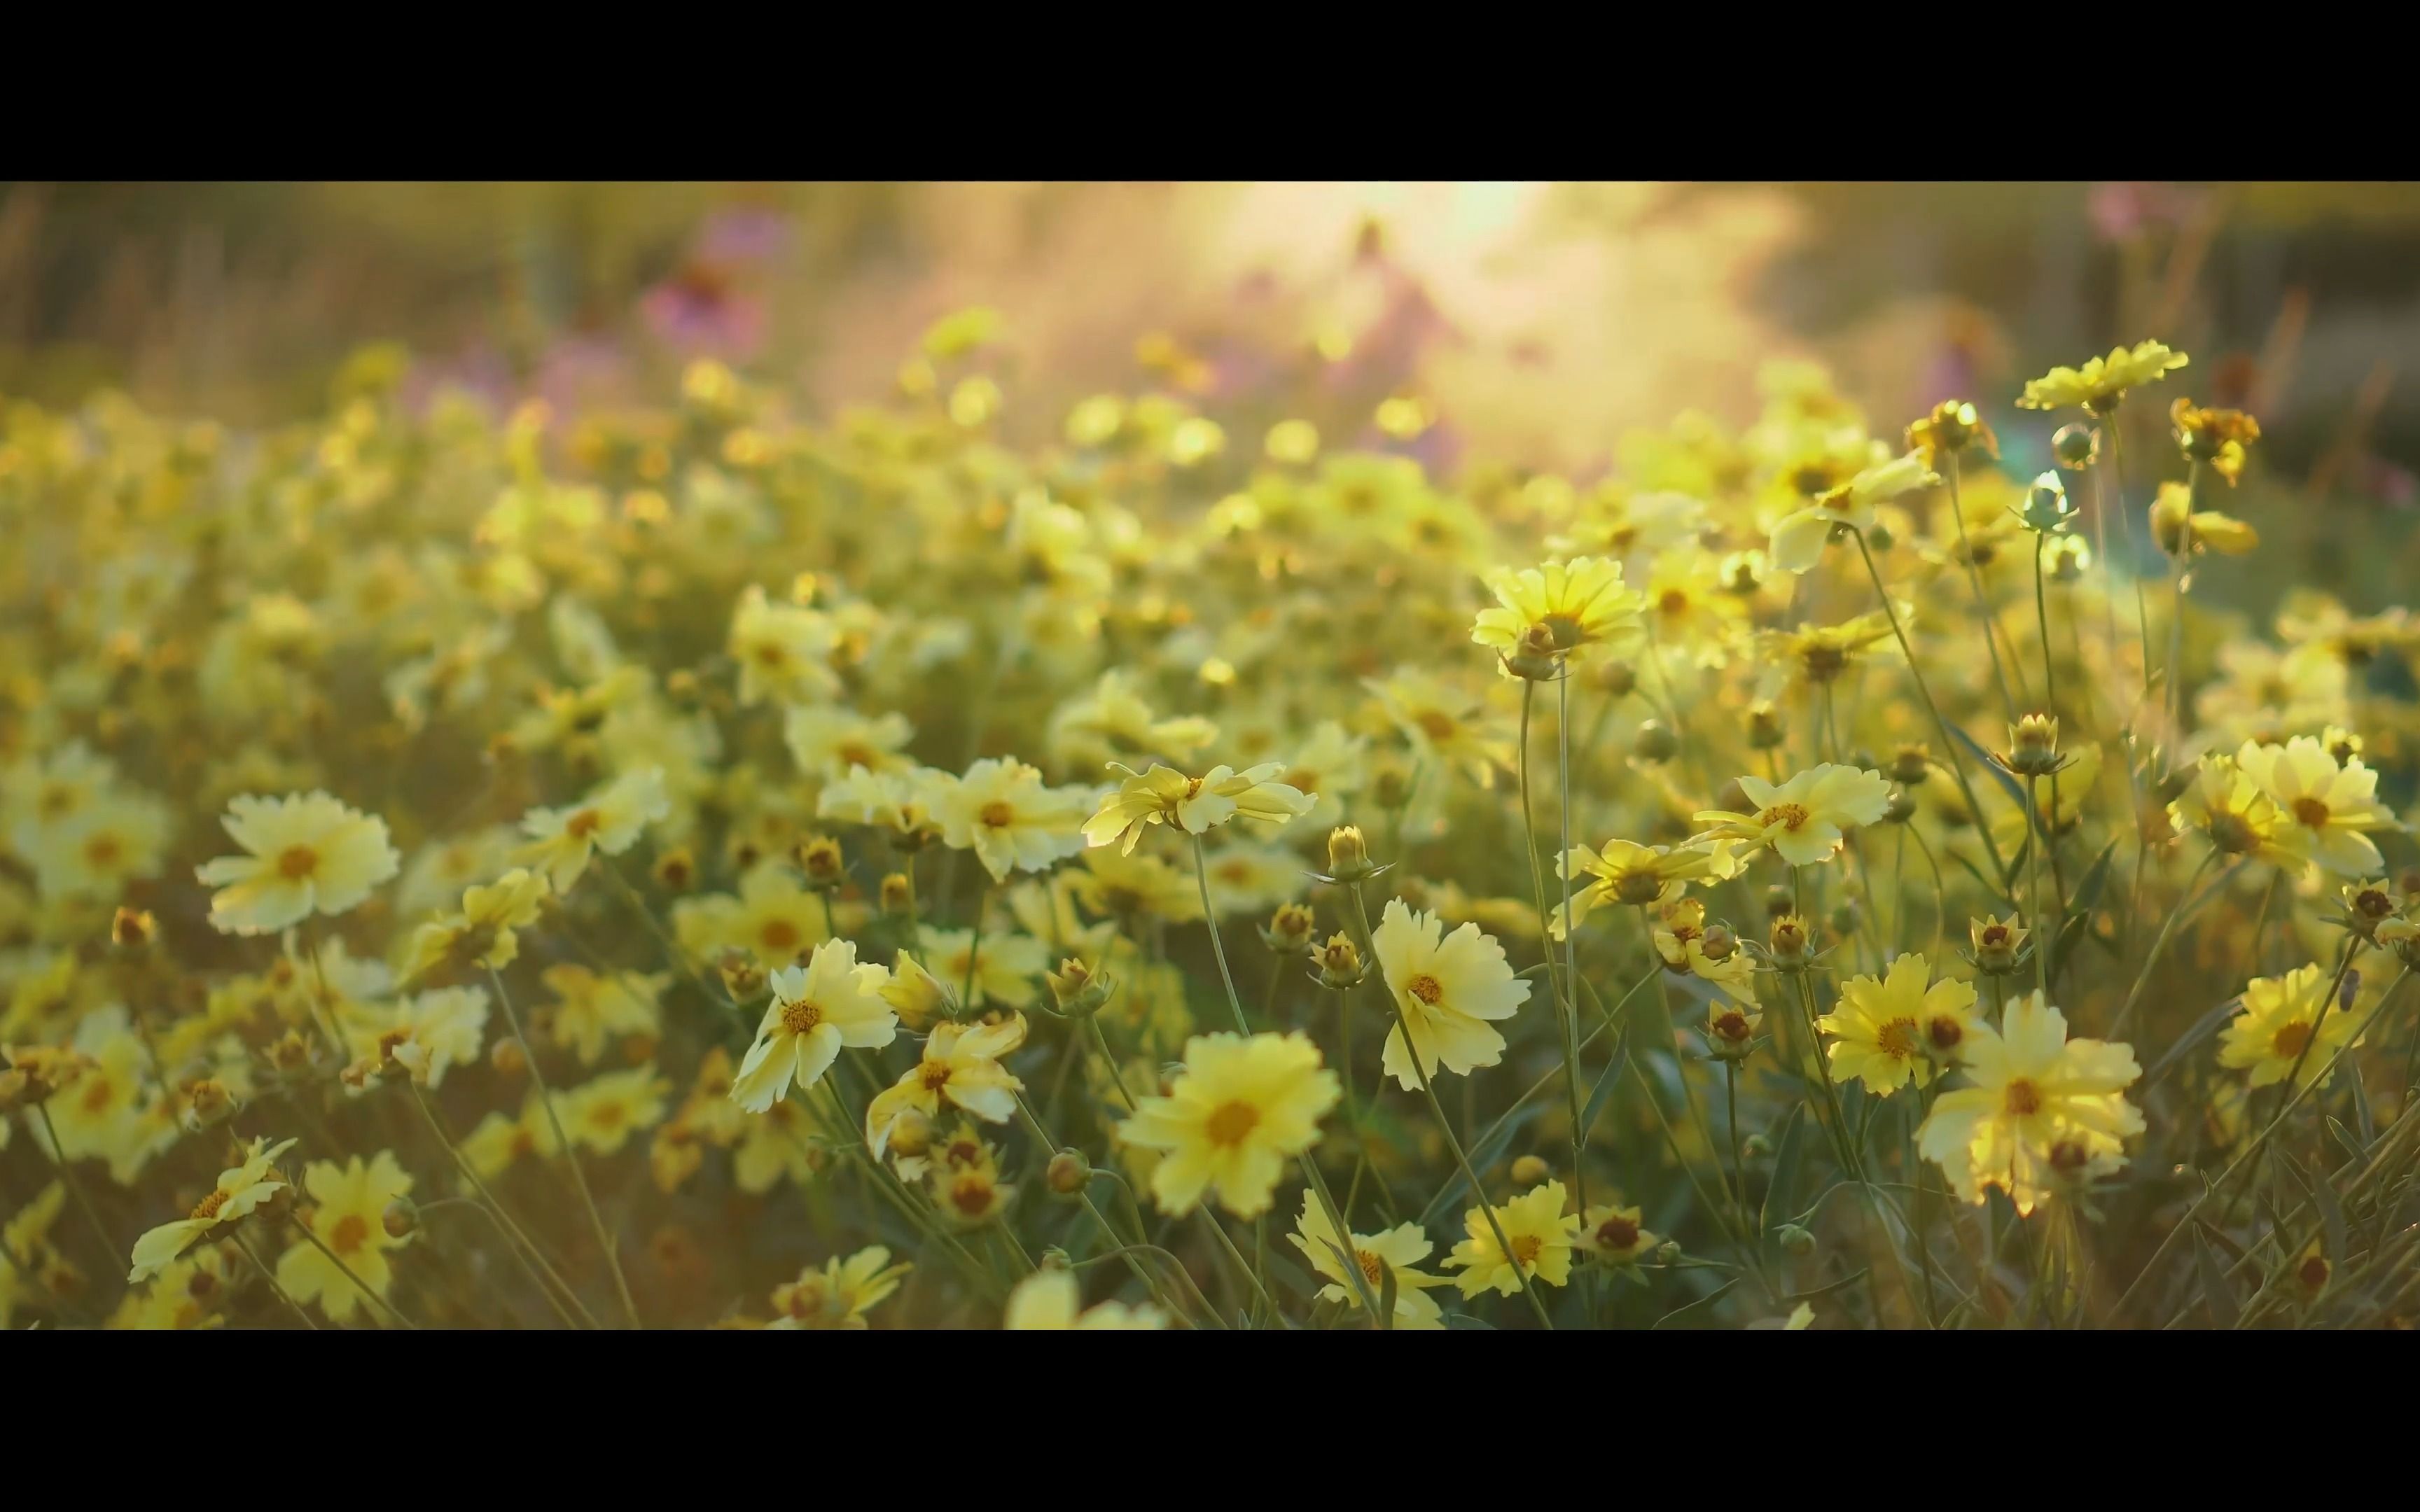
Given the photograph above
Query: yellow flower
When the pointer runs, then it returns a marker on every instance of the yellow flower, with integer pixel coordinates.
(1952, 428)
(2273, 1032)
(1541, 1235)
(1803, 819)
(482, 934)
(501, 1139)
(1887, 1031)
(1051, 1299)
(1239, 1111)
(1688, 948)
(1560, 609)
(1613, 1234)
(774, 919)
(831, 1002)
(2031, 1090)
(961, 1067)
(604, 1112)
(608, 820)
(1799, 537)
(1638, 875)
(1002, 812)
(308, 853)
(1814, 655)
(1447, 729)
(1398, 1249)
(916, 995)
(904, 803)
(2220, 437)
(1449, 989)
(829, 742)
(1164, 796)
(1114, 719)
(348, 1216)
(238, 1193)
(2326, 806)
(2102, 381)
(2210, 530)
(590, 1008)
(784, 651)
(2230, 808)
(841, 1293)
(1005, 967)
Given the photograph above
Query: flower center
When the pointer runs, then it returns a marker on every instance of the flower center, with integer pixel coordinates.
(1947, 1033)
(1525, 1248)
(1303, 780)
(350, 1231)
(934, 1076)
(1673, 602)
(101, 850)
(1788, 815)
(997, 815)
(2314, 1273)
(296, 862)
(1436, 724)
(800, 1017)
(1617, 1233)
(1229, 1122)
(972, 1196)
(769, 654)
(779, 935)
(1371, 1266)
(2021, 1099)
(583, 824)
(210, 1207)
(1897, 1039)
(1427, 989)
(2311, 811)
(853, 753)
(1732, 1024)
(2290, 1040)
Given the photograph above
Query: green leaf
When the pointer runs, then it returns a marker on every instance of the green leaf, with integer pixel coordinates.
(1987, 885)
(2331, 1217)
(1992, 769)
(1481, 1156)
(1601, 1093)
(1707, 1301)
(1387, 1285)
(1785, 1167)
(2224, 1310)
(1464, 1320)
(2096, 881)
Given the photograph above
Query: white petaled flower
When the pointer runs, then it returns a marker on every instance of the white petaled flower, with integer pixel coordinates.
(1452, 988)
(308, 853)
(834, 1000)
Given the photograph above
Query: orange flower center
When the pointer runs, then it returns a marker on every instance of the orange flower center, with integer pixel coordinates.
(210, 1207)
(349, 1234)
(779, 935)
(1617, 1233)
(1426, 988)
(1673, 601)
(799, 1017)
(1371, 1267)
(296, 862)
(583, 824)
(934, 1076)
(1947, 1033)
(997, 815)
(2311, 811)
(2021, 1099)
(1525, 1248)
(1436, 723)
(101, 850)
(1897, 1039)
(1229, 1122)
(972, 1196)
(2290, 1040)
(1788, 815)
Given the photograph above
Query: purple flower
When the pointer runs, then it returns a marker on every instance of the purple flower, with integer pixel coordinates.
(700, 312)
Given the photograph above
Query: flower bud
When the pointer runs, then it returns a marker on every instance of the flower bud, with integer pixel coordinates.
(1340, 963)
(1756, 1147)
(1668, 1252)
(1796, 1240)
(130, 929)
(1791, 946)
(1730, 1031)
(1717, 943)
(400, 1218)
(1997, 943)
(1899, 808)
(1618, 678)
(1764, 731)
(898, 898)
(1067, 1174)
(510, 1057)
(2033, 746)
(743, 977)
(676, 870)
(1289, 930)
(207, 1102)
(1911, 765)
(1529, 1171)
(1654, 743)
(819, 857)
(2047, 509)
(1537, 658)
(1779, 900)
(1079, 989)
(1843, 918)
(1879, 537)
(2076, 446)
(1348, 856)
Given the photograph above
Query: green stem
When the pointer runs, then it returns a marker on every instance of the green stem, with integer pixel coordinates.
(496, 1210)
(1982, 601)
(270, 1276)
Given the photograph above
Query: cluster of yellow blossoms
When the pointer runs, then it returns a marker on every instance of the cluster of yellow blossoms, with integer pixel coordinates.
(695, 867)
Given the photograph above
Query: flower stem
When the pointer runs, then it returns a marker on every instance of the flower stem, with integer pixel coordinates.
(110, 1249)
(359, 1284)
(1210, 916)
(496, 1211)
(571, 1157)
(1571, 1016)
(270, 1276)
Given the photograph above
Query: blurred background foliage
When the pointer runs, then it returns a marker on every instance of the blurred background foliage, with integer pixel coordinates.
(1536, 324)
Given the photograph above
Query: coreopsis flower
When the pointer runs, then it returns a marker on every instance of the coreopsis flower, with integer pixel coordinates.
(1399, 1249)
(589, 1008)
(1451, 990)
(1688, 947)
(482, 934)
(1996, 944)
(348, 1214)
(1136, 887)
(501, 1140)
(2274, 1031)
(1953, 426)
(2046, 509)
(602, 1112)
(1049, 1299)
(830, 742)
(2218, 438)
(916, 995)
(1812, 656)
(904, 803)
(2102, 381)
(1002, 812)
(1164, 796)
(610, 820)
(240, 1192)
(774, 919)
(428, 1034)
(1804, 818)
(1240, 1110)
(1629, 874)
(831, 1002)
(308, 853)
(1560, 609)
(2033, 748)
(1888, 1031)
(1732, 1027)
(1799, 537)
(840, 1293)
(2328, 807)
(1611, 1233)
(784, 651)
(1541, 1235)
(2030, 1087)
(2176, 524)
(1114, 719)
(960, 1067)
(1446, 728)
(1003, 969)
(2230, 809)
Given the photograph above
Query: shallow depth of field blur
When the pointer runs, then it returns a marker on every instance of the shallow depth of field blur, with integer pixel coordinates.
(912, 756)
